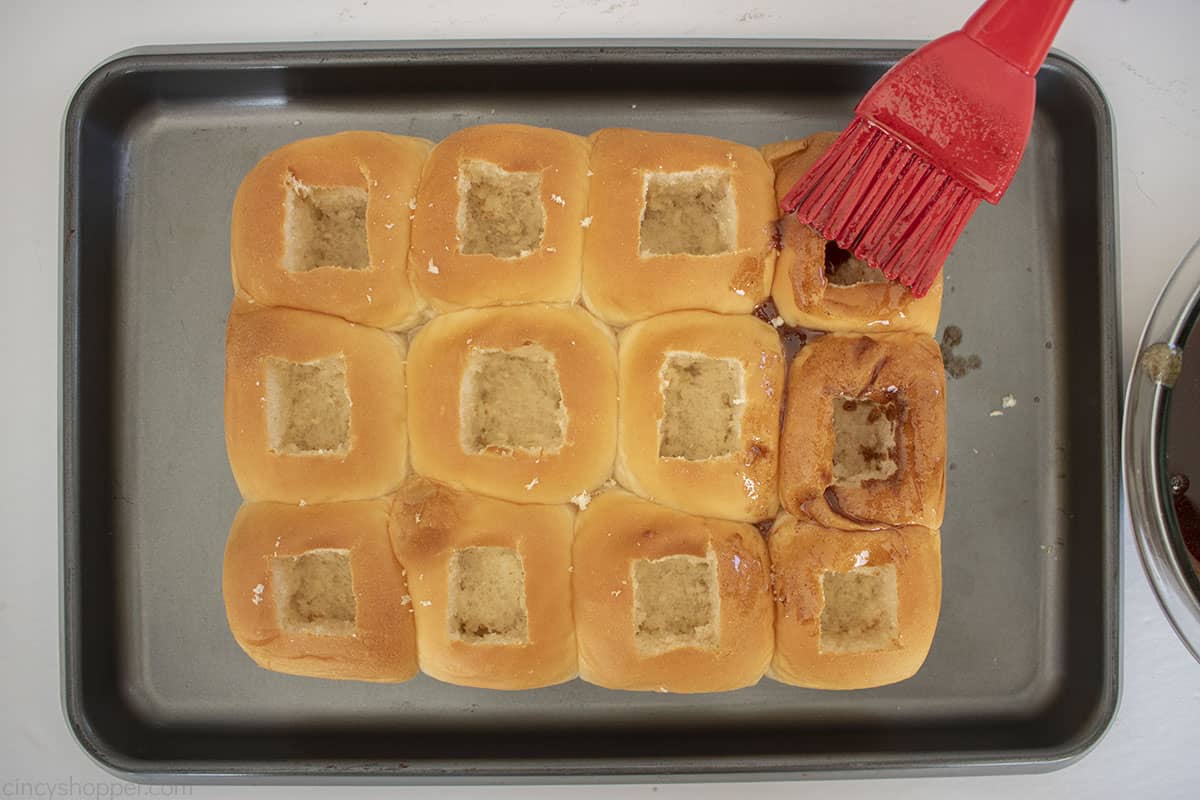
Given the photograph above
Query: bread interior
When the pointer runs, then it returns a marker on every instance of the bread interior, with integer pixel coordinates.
(512, 400)
(308, 406)
(325, 226)
(676, 603)
(703, 400)
(500, 213)
(314, 592)
(842, 268)
(689, 213)
(864, 439)
(486, 596)
(860, 610)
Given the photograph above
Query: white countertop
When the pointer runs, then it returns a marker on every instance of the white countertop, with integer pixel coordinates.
(1143, 53)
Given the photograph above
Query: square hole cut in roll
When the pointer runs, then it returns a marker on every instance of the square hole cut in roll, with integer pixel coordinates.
(487, 596)
(314, 592)
(676, 603)
(325, 227)
(703, 399)
(308, 406)
(688, 213)
(864, 439)
(500, 213)
(861, 610)
(512, 399)
(842, 268)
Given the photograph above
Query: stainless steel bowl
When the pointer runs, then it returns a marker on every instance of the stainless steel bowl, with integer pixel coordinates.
(1148, 403)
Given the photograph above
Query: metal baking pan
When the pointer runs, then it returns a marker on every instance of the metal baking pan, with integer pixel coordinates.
(1024, 669)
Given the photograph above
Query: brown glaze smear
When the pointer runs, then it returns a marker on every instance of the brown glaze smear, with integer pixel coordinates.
(957, 366)
(766, 311)
(755, 453)
(791, 337)
(835, 505)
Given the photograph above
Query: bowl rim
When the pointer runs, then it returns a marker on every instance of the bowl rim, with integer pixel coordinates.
(1164, 557)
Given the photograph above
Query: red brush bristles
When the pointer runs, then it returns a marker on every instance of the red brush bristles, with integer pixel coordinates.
(885, 202)
(942, 130)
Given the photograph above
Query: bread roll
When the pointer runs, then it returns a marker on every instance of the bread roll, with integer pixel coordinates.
(669, 602)
(852, 609)
(315, 591)
(518, 403)
(498, 218)
(817, 284)
(676, 222)
(323, 224)
(699, 413)
(864, 432)
(314, 406)
(491, 585)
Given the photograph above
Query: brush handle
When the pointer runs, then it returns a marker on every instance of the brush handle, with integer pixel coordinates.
(1019, 31)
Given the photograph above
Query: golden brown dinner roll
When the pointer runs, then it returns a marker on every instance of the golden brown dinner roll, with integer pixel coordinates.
(819, 285)
(699, 413)
(864, 432)
(675, 222)
(852, 609)
(498, 218)
(518, 403)
(669, 602)
(314, 590)
(491, 586)
(322, 224)
(314, 406)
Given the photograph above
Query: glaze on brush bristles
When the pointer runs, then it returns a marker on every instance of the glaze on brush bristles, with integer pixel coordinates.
(884, 201)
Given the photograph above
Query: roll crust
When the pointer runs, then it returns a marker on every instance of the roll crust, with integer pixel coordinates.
(373, 460)
(430, 521)
(618, 529)
(513, 402)
(381, 647)
(450, 278)
(801, 553)
(901, 368)
(388, 169)
(740, 485)
(620, 283)
(583, 353)
(801, 289)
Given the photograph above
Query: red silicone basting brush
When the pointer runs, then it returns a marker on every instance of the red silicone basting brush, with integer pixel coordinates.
(942, 130)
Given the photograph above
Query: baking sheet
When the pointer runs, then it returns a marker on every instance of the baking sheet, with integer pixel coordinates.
(1023, 670)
